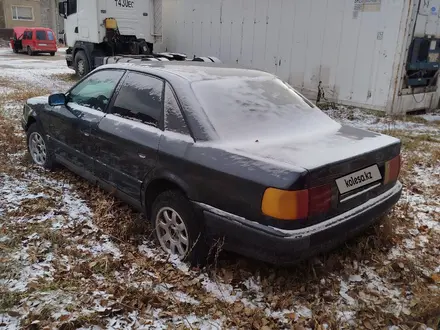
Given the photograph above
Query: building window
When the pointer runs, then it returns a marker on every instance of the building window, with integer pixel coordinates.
(21, 13)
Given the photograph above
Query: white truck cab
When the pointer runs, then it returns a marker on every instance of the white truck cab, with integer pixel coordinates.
(97, 28)
(98, 32)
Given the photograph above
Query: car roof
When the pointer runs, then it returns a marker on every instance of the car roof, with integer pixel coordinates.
(181, 74)
(38, 28)
(191, 71)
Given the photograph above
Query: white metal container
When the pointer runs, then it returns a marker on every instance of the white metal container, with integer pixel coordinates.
(356, 48)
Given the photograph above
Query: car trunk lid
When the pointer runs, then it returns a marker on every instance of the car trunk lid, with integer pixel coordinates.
(348, 160)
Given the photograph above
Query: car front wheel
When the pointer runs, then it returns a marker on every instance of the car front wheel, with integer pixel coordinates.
(177, 228)
(29, 51)
(38, 148)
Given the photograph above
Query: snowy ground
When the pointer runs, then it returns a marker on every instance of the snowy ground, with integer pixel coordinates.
(73, 257)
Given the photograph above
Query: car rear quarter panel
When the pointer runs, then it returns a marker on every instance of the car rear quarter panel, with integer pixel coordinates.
(230, 182)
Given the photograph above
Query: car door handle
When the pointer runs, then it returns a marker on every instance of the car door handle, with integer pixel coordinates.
(142, 156)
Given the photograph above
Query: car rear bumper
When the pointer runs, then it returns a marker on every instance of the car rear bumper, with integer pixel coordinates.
(45, 50)
(279, 246)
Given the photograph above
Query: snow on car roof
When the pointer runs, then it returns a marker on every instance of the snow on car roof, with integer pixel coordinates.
(193, 71)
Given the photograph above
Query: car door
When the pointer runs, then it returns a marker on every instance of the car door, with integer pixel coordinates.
(25, 40)
(69, 126)
(127, 138)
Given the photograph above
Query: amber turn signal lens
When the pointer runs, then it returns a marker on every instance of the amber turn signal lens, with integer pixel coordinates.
(392, 169)
(285, 205)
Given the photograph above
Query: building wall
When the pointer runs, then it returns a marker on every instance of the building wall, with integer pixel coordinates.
(45, 14)
(348, 47)
(10, 23)
(2, 16)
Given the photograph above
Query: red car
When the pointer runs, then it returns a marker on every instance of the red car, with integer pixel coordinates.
(34, 40)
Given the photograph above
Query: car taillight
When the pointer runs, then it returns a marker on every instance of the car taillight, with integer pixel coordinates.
(297, 204)
(320, 200)
(392, 169)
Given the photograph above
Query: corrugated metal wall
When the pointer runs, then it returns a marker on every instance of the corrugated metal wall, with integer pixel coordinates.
(349, 47)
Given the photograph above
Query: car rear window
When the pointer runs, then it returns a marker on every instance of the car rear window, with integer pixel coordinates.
(253, 108)
(50, 35)
(41, 35)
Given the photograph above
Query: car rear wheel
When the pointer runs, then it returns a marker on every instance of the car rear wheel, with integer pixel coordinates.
(81, 64)
(52, 54)
(29, 51)
(177, 228)
(38, 148)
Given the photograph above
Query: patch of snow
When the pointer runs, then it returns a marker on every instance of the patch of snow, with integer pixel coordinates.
(9, 323)
(355, 278)
(346, 316)
(409, 244)
(366, 120)
(222, 291)
(343, 293)
(304, 312)
(431, 117)
(29, 270)
(107, 247)
(185, 298)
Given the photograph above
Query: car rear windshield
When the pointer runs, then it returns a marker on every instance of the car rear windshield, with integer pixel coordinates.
(41, 35)
(253, 108)
(50, 35)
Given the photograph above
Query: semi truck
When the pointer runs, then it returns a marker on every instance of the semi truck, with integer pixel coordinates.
(99, 32)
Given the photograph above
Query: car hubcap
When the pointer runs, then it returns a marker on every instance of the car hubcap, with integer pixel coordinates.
(81, 67)
(171, 232)
(37, 148)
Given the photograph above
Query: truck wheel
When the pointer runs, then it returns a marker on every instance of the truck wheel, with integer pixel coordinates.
(82, 66)
(177, 229)
(29, 51)
(52, 54)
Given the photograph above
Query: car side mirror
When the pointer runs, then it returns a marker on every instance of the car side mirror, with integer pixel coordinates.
(57, 99)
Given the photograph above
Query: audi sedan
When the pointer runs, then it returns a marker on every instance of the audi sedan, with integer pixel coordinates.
(213, 153)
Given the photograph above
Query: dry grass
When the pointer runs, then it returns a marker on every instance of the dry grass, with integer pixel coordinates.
(24, 94)
(314, 283)
(67, 77)
(9, 299)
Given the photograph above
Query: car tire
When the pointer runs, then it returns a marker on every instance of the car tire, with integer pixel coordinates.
(29, 51)
(52, 54)
(38, 148)
(81, 63)
(186, 225)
